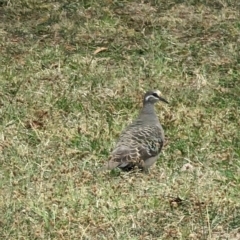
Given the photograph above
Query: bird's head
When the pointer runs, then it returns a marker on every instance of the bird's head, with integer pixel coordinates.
(153, 96)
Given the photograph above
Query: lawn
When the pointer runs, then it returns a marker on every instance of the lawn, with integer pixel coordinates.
(73, 75)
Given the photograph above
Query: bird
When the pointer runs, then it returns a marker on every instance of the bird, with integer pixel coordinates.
(141, 142)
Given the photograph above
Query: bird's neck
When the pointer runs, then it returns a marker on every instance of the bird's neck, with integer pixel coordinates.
(148, 108)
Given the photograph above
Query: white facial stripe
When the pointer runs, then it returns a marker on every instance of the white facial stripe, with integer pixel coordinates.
(150, 96)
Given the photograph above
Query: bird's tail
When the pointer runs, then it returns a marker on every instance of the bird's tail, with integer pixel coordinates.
(109, 166)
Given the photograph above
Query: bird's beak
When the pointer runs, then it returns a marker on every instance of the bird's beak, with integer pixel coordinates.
(162, 99)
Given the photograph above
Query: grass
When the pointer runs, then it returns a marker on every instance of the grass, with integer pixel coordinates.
(72, 77)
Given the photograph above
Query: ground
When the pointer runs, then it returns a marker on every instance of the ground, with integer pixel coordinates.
(72, 76)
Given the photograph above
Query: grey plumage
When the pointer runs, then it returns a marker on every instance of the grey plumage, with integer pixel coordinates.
(141, 142)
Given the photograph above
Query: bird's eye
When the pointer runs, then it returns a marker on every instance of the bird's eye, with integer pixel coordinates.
(155, 95)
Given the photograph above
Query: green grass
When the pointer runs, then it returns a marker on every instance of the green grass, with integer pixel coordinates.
(62, 108)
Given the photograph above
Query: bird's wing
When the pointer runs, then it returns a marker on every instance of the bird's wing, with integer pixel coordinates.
(150, 141)
(136, 145)
(121, 156)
